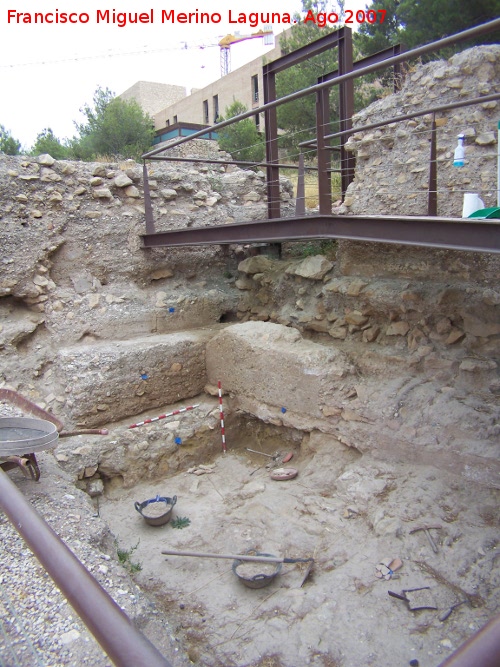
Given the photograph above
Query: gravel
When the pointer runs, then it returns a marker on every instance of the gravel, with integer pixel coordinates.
(38, 627)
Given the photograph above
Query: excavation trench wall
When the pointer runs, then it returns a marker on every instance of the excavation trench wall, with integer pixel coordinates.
(390, 351)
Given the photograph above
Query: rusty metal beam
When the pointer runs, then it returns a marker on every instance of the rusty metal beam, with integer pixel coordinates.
(449, 233)
(346, 110)
(366, 61)
(486, 28)
(324, 158)
(432, 200)
(238, 163)
(482, 649)
(123, 643)
(272, 157)
(148, 207)
(310, 143)
(305, 52)
(300, 200)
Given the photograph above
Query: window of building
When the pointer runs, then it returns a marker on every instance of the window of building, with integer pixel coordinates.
(216, 108)
(175, 120)
(255, 88)
(257, 120)
(206, 117)
(168, 122)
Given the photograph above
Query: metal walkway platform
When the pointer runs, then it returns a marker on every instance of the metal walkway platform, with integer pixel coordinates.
(449, 233)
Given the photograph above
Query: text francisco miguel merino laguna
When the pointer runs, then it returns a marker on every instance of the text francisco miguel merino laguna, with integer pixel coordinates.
(121, 19)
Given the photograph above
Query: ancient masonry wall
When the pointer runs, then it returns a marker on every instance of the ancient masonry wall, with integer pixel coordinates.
(392, 162)
(392, 166)
(76, 286)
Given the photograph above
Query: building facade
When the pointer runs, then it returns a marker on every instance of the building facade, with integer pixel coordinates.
(206, 105)
(153, 97)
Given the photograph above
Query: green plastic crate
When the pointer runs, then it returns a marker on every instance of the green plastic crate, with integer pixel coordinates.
(493, 212)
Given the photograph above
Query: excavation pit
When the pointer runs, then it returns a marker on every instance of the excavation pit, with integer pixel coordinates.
(349, 512)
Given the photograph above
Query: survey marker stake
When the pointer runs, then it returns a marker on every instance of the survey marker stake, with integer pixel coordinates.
(169, 414)
(222, 429)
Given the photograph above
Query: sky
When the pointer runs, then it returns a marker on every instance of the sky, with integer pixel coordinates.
(48, 72)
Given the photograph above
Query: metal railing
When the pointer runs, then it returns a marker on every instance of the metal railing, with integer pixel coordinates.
(343, 78)
(119, 638)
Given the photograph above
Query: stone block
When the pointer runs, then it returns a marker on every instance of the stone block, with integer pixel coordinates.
(272, 365)
(104, 383)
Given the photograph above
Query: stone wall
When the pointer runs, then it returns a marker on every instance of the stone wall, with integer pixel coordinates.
(392, 162)
(74, 278)
(392, 166)
(427, 319)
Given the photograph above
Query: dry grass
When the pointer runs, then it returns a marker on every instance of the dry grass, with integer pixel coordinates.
(311, 186)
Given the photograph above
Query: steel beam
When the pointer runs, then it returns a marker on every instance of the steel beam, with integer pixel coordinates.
(238, 163)
(300, 200)
(324, 158)
(272, 157)
(148, 207)
(449, 233)
(346, 109)
(432, 190)
(305, 52)
(491, 26)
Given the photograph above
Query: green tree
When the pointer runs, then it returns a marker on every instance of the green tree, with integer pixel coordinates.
(8, 144)
(241, 139)
(47, 142)
(298, 118)
(113, 127)
(374, 37)
(417, 22)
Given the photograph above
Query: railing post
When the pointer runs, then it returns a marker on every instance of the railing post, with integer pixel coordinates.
(300, 200)
(324, 159)
(346, 107)
(271, 129)
(432, 193)
(148, 209)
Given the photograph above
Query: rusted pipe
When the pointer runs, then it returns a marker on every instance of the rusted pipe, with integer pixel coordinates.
(122, 642)
(238, 163)
(482, 649)
(84, 431)
(17, 399)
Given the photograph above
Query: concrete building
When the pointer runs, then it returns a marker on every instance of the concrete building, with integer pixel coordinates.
(153, 97)
(205, 105)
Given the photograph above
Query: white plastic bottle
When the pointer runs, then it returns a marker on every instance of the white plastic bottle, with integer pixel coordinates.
(458, 159)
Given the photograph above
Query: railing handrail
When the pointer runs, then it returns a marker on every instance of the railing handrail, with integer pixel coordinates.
(122, 642)
(408, 116)
(490, 26)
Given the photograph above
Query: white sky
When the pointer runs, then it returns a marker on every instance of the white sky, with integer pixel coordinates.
(48, 72)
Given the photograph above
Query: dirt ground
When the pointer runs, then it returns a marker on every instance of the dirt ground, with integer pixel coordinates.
(347, 511)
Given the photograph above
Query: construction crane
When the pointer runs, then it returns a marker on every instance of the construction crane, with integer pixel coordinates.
(225, 45)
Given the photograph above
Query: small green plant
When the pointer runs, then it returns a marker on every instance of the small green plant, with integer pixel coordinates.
(125, 558)
(180, 522)
(215, 183)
